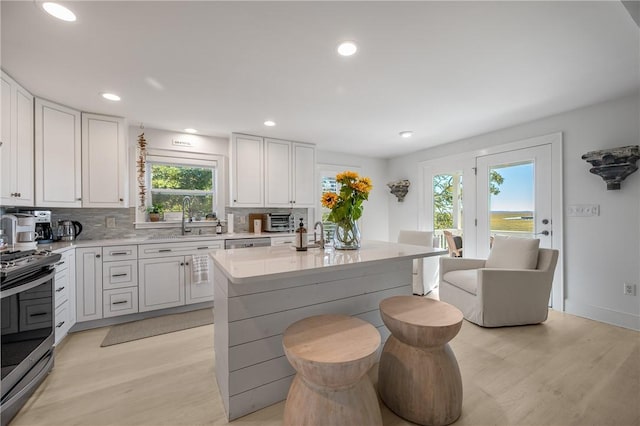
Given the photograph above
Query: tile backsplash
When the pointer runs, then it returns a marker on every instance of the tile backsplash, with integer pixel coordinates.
(94, 221)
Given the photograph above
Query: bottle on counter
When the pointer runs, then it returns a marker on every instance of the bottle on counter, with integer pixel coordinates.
(301, 237)
(218, 227)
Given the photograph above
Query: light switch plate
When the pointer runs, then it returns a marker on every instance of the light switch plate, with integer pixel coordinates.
(583, 210)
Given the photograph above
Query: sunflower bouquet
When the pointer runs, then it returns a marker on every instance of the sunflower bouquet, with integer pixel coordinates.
(346, 207)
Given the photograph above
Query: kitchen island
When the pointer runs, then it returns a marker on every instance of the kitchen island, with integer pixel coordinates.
(259, 292)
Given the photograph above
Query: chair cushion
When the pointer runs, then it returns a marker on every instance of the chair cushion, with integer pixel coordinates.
(513, 253)
(464, 279)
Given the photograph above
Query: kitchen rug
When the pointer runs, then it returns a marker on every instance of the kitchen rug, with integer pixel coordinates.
(141, 329)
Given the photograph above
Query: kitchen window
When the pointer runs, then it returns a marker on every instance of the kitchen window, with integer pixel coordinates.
(170, 179)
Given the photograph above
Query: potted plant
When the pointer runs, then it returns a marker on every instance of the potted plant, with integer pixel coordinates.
(155, 212)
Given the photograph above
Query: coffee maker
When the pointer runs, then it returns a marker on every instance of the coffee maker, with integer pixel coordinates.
(44, 231)
(19, 229)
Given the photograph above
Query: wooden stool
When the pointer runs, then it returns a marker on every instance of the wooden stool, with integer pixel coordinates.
(418, 376)
(331, 354)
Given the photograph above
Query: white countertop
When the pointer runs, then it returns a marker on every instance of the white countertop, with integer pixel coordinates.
(60, 246)
(259, 263)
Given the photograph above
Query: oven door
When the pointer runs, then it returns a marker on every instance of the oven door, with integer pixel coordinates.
(28, 330)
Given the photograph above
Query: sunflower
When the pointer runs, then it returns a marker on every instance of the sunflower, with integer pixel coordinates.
(346, 176)
(329, 199)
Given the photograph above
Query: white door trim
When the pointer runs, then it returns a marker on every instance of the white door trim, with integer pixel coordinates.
(426, 168)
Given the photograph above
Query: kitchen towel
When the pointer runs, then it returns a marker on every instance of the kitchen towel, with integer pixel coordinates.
(199, 269)
(230, 223)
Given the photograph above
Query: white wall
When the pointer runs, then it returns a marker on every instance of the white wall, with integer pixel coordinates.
(375, 216)
(600, 253)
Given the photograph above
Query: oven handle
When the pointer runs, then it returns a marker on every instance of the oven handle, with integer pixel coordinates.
(29, 285)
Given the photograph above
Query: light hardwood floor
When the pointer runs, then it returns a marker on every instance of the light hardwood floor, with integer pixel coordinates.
(567, 371)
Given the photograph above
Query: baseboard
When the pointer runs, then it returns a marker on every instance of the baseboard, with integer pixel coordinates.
(87, 325)
(597, 313)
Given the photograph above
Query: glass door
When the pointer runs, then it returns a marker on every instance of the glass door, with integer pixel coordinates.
(514, 196)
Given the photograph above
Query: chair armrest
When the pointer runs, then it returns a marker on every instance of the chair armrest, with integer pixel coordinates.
(514, 285)
(453, 264)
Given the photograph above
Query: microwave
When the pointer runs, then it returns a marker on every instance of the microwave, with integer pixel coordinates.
(277, 222)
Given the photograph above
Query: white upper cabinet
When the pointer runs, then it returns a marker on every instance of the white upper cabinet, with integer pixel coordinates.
(271, 172)
(104, 161)
(289, 169)
(304, 166)
(278, 173)
(58, 161)
(16, 146)
(247, 171)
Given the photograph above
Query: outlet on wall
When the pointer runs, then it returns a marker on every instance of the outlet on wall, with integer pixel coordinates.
(629, 289)
(111, 222)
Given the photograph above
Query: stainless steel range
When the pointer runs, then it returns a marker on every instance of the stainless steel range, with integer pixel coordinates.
(28, 331)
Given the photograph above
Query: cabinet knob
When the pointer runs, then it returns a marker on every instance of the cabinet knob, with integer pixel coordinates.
(18, 194)
(97, 256)
(181, 263)
(78, 199)
(187, 263)
(235, 201)
(121, 199)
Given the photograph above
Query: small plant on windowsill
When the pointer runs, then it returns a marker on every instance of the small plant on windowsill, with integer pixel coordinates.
(155, 213)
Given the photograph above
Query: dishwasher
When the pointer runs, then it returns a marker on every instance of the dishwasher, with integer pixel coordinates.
(247, 242)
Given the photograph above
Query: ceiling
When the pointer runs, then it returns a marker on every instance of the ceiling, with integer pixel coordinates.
(446, 70)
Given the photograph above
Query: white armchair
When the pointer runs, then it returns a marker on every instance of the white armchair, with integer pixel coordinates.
(512, 287)
(425, 271)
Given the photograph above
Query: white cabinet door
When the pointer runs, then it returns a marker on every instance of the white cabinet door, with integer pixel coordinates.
(201, 291)
(58, 160)
(277, 187)
(247, 171)
(88, 283)
(104, 161)
(17, 144)
(302, 184)
(161, 283)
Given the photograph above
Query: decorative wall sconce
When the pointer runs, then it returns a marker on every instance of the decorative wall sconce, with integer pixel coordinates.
(399, 188)
(613, 165)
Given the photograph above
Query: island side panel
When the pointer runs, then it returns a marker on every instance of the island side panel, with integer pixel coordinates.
(221, 333)
(258, 373)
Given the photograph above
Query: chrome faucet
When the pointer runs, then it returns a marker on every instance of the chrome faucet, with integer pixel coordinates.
(186, 209)
(321, 242)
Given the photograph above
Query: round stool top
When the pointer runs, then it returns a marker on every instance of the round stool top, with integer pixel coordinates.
(419, 321)
(333, 350)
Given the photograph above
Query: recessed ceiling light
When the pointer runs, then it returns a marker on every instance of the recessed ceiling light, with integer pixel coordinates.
(190, 130)
(406, 133)
(111, 96)
(269, 123)
(59, 11)
(347, 48)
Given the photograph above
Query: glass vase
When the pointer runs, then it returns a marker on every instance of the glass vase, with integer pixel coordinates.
(346, 235)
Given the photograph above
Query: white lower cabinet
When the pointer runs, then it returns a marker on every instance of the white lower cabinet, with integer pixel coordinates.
(166, 274)
(161, 283)
(120, 301)
(64, 293)
(89, 283)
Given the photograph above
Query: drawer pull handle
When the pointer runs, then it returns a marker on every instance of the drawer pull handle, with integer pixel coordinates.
(39, 314)
(60, 263)
(118, 275)
(59, 289)
(119, 253)
(58, 325)
(163, 250)
(119, 303)
(203, 248)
